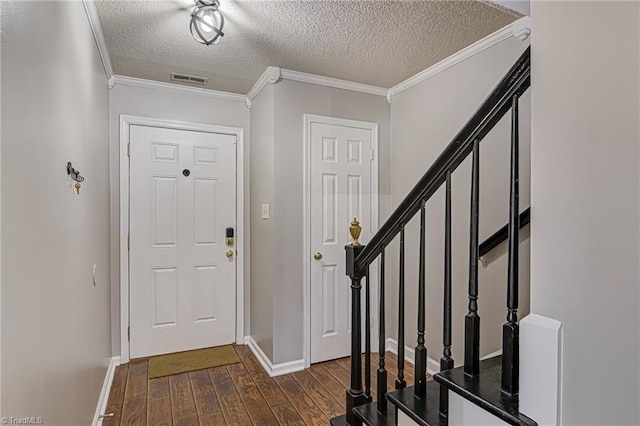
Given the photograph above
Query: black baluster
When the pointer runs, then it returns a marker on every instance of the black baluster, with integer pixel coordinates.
(420, 389)
(355, 395)
(400, 382)
(367, 339)
(446, 362)
(472, 320)
(510, 330)
(382, 372)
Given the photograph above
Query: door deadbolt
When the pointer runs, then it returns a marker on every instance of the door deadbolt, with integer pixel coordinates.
(186, 172)
(229, 236)
(317, 256)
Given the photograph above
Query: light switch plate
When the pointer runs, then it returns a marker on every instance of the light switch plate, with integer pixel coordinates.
(265, 211)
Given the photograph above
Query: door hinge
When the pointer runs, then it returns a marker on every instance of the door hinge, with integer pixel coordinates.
(129, 150)
(128, 241)
(370, 154)
(129, 333)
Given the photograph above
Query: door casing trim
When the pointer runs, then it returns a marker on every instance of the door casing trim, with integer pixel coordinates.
(306, 238)
(130, 120)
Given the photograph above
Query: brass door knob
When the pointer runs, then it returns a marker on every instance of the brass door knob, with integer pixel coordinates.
(229, 254)
(317, 256)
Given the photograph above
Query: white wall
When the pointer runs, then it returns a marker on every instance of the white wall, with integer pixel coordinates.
(424, 120)
(262, 230)
(292, 100)
(282, 277)
(169, 105)
(56, 324)
(585, 201)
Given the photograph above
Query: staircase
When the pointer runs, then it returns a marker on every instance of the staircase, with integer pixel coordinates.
(490, 384)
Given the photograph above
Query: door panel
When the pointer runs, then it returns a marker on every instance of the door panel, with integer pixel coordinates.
(340, 179)
(182, 197)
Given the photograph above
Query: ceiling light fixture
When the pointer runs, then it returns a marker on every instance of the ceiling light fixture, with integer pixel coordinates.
(207, 22)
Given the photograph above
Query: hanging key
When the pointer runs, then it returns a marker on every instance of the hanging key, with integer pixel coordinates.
(77, 188)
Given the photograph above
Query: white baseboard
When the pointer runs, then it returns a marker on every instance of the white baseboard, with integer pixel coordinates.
(433, 366)
(273, 369)
(106, 388)
(492, 354)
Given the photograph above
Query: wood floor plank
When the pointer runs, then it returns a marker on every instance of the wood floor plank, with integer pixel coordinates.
(159, 387)
(134, 411)
(182, 402)
(237, 394)
(116, 396)
(338, 372)
(203, 393)
(240, 375)
(232, 407)
(188, 420)
(253, 400)
(301, 401)
(159, 411)
(330, 383)
(345, 363)
(215, 419)
(287, 415)
(137, 380)
(323, 399)
(268, 387)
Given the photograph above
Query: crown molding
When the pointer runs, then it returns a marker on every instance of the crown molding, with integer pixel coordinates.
(170, 87)
(520, 29)
(98, 35)
(333, 82)
(271, 75)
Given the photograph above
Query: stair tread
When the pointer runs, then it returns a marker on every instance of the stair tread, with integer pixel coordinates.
(424, 411)
(370, 415)
(484, 390)
(339, 421)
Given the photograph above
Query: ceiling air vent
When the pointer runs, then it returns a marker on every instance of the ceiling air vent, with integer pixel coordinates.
(183, 78)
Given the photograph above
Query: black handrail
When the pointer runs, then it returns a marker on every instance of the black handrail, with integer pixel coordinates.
(502, 234)
(515, 82)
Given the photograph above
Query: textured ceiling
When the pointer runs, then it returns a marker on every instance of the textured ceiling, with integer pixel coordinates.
(374, 42)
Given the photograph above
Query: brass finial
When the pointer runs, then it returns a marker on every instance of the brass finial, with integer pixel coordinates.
(355, 230)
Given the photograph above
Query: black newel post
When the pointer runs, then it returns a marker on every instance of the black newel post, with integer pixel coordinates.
(355, 394)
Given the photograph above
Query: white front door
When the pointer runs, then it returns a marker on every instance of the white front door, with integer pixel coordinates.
(182, 284)
(341, 159)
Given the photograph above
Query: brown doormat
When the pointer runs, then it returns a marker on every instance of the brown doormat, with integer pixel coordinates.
(181, 362)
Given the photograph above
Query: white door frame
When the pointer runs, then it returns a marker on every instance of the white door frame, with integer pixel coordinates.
(129, 120)
(306, 239)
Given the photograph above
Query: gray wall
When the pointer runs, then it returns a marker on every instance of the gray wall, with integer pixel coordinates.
(55, 335)
(291, 100)
(146, 102)
(585, 192)
(425, 118)
(263, 257)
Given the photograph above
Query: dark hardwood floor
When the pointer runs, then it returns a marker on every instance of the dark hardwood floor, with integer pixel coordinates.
(236, 394)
